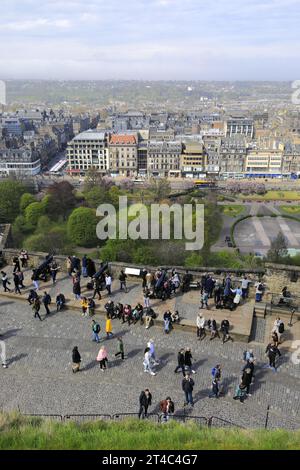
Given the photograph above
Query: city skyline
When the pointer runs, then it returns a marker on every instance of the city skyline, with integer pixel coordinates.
(154, 39)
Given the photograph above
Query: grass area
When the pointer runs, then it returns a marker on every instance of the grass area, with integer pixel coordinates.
(291, 209)
(273, 196)
(19, 432)
(233, 210)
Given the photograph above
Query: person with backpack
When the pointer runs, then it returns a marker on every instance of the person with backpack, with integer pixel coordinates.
(46, 301)
(96, 330)
(76, 359)
(32, 295)
(187, 387)
(120, 351)
(180, 361)
(278, 327)
(272, 352)
(259, 291)
(247, 355)
(5, 281)
(145, 401)
(216, 372)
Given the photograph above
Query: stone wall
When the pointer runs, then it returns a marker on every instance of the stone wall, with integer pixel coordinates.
(278, 275)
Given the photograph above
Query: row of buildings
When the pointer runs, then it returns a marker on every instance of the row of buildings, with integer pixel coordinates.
(134, 154)
(30, 139)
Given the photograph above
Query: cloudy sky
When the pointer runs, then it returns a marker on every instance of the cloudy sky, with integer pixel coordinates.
(150, 39)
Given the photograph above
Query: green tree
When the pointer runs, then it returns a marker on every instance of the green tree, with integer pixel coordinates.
(25, 200)
(33, 212)
(10, 195)
(82, 227)
(62, 199)
(96, 196)
(278, 249)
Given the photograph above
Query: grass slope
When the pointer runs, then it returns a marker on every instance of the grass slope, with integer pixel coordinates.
(19, 432)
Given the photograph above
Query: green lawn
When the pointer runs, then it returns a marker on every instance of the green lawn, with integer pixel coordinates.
(294, 210)
(233, 210)
(18, 432)
(273, 196)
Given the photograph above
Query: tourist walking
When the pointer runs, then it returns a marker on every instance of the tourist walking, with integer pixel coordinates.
(148, 362)
(17, 284)
(246, 380)
(96, 330)
(272, 352)
(188, 360)
(204, 299)
(76, 360)
(36, 306)
(151, 347)
(53, 271)
(5, 281)
(102, 358)
(120, 351)
(108, 327)
(46, 301)
(215, 391)
(180, 360)
(76, 288)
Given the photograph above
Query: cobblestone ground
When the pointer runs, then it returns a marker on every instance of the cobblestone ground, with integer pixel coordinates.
(39, 377)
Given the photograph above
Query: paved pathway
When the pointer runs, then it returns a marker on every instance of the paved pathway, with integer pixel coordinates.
(39, 378)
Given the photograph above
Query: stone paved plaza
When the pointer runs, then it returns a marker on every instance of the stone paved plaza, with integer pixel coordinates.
(39, 377)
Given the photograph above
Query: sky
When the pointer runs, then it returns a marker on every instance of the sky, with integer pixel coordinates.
(150, 39)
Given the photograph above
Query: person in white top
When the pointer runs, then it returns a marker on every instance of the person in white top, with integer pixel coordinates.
(245, 287)
(108, 282)
(201, 333)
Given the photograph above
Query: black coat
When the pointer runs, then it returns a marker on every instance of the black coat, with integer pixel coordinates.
(188, 385)
(188, 358)
(180, 359)
(246, 378)
(76, 358)
(145, 400)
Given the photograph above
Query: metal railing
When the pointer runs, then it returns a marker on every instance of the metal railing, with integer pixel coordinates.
(159, 418)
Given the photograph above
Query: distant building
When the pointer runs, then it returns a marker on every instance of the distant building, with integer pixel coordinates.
(87, 150)
(23, 161)
(123, 155)
(264, 162)
(239, 125)
(164, 158)
(193, 160)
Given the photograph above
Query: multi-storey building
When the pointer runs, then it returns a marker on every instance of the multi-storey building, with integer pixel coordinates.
(22, 161)
(291, 159)
(239, 126)
(232, 156)
(193, 160)
(123, 155)
(264, 162)
(164, 158)
(87, 150)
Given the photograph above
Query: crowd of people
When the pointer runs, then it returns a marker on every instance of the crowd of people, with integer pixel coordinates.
(225, 294)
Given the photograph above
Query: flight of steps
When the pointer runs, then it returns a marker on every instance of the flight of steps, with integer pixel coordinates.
(260, 309)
